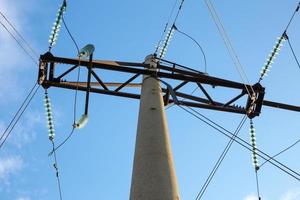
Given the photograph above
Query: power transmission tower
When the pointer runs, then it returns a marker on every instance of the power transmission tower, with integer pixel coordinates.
(153, 175)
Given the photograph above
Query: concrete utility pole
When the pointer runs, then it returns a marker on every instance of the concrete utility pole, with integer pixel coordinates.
(153, 176)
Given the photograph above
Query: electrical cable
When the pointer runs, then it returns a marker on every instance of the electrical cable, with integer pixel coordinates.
(257, 184)
(55, 165)
(229, 47)
(243, 143)
(281, 152)
(18, 118)
(70, 34)
(296, 10)
(16, 114)
(179, 9)
(20, 35)
(220, 160)
(200, 47)
(293, 52)
(20, 45)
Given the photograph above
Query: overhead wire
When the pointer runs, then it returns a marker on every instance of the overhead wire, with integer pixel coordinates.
(293, 52)
(18, 115)
(220, 159)
(230, 48)
(281, 152)
(243, 143)
(292, 18)
(19, 43)
(19, 34)
(55, 165)
(18, 111)
(195, 41)
(257, 185)
(33, 90)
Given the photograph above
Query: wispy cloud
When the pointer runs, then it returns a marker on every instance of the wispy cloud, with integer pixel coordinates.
(23, 198)
(24, 132)
(9, 166)
(251, 197)
(292, 195)
(12, 58)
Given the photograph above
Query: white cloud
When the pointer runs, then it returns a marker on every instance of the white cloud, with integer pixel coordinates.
(13, 60)
(292, 195)
(24, 132)
(9, 166)
(251, 197)
(23, 198)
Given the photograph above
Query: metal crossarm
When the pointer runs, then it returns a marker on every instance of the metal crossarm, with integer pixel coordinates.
(165, 70)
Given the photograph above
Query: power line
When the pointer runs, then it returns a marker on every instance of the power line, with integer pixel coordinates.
(296, 10)
(229, 46)
(243, 143)
(221, 158)
(257, 184)
(55, 165)
(293, 52)
(16, 114)
(281, 152)
(70, 34)
(22, 110)
(19, 43)
(20, 35)
(200, 47)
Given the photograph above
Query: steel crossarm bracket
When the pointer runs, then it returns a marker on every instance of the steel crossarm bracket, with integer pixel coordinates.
(166, 70)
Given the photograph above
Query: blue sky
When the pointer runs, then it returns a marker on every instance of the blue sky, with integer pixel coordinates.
(97, 162)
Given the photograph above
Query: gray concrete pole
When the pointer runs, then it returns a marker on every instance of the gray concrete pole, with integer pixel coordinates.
(153, 176)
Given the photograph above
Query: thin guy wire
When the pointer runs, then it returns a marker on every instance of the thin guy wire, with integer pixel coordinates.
(220, 160)
(245, 144)
(17, 120)
(200, 47)
(292, 49)
(57, 172)
(228, 45)
(20, 35)
(16, 114)
(20, 45)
